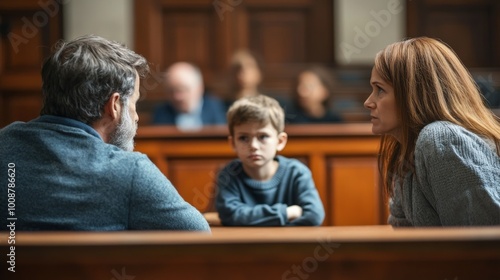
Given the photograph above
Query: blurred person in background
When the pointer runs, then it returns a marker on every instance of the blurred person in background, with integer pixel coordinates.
(188, 106)
(312, 97)
(245, 76)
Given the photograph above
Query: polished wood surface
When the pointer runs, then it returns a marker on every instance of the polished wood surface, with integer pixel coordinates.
(28, 30)
(470, 27)
(342, 159)
(362, 252)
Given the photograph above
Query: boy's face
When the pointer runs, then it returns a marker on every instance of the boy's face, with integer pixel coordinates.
(256, 145)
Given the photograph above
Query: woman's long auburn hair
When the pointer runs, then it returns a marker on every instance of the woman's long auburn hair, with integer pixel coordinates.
(430, 84)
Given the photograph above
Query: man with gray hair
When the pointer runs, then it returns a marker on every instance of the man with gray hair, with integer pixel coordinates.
(73, 167)
(187, 106)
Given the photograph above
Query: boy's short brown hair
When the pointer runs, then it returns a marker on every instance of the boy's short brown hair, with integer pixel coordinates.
(256, 109)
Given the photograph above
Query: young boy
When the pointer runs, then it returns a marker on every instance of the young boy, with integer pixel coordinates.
(260, 188)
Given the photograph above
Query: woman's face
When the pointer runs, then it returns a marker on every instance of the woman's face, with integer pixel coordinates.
(382, 105)
(248, 74)
(310, 91)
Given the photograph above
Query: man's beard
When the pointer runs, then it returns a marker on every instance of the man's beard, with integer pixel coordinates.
(123, 135)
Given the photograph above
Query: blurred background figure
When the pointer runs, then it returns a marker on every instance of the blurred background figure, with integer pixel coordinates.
(489, 91)
(312, 97)
(188, 106)
(245, 76)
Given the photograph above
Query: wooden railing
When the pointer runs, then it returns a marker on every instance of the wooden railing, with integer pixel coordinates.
(361, 252)
(342, 159)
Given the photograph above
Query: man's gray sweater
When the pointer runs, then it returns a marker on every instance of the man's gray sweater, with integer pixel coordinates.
(67, 178)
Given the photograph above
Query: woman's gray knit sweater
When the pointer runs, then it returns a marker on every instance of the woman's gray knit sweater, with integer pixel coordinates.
(456, 181)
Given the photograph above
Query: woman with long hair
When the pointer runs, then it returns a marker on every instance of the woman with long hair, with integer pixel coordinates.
(439, 154)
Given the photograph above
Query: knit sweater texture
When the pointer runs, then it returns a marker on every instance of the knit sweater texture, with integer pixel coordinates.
(243, 201)
(456, 181)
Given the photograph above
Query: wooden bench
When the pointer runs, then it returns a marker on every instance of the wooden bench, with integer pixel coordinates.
(361, 252)
(342, 159)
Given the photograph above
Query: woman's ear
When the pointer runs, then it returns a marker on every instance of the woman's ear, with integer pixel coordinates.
(282, 139)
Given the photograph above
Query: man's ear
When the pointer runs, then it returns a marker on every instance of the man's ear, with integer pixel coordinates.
(282, 139)
(113, 107)
(230, 140)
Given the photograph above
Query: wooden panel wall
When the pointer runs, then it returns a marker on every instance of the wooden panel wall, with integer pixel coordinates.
(288, 34)
(285, 34)
(470, 27)
(28, 30)
(356, 182)
(342, 159)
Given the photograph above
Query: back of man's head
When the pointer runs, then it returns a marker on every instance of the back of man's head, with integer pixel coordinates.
(80, 76)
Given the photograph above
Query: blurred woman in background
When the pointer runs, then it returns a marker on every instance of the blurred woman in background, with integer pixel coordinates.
(245, 76)
(312, 96)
